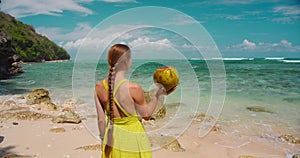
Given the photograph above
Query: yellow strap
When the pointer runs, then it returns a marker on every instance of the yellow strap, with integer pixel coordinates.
(114, 98)
(118, 85)
(105, 85)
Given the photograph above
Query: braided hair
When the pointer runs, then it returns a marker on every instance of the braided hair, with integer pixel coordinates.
(117, 55)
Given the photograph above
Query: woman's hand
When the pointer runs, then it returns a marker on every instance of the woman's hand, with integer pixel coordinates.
(160, 91)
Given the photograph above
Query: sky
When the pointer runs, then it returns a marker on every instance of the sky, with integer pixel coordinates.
(238, 28)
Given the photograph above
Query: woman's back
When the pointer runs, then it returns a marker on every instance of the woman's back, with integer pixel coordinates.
(122, 96)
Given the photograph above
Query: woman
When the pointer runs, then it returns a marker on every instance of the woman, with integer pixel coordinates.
(118, 103)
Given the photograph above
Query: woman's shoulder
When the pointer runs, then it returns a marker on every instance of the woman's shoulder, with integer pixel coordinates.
(100, 83)
(134, 85)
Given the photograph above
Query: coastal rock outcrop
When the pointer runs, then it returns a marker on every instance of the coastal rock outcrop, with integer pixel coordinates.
(67, 117)
(8, 59)
(23, 115)
(40, 96)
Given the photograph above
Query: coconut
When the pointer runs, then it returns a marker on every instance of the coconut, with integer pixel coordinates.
(167, 77)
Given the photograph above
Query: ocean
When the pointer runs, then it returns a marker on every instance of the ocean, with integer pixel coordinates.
(272, 83)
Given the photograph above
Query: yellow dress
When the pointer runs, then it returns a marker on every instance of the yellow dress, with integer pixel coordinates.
(129, 137)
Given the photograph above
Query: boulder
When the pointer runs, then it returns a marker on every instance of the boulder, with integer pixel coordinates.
(40, 96)
(67, 117)
(58, 130)
(203, 116)
(259, 109)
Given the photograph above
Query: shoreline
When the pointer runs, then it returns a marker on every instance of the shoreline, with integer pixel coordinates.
(50, 61)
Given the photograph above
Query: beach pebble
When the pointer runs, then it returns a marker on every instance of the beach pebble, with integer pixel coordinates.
(215, 128)
(90, 147)
(296, 156)
(259, 109)
(148, 123)
(15, 123)
(10, 103)
(289, 138)
(1, 139)
(58, 130)
(203, 116)
(66, 156)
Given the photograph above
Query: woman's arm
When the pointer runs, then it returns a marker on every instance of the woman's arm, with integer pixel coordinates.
(101, 117)
(144, 109)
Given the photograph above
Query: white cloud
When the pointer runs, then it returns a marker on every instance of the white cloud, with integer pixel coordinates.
(288, 10)
(143, 45)
(234, 17)
(95, 39)
(286, 43)
(119, 1)
(287, 14)
(146, 40)
(22, 8)
(247, 46)
(80, 31)
(182, 20)
(187, 46)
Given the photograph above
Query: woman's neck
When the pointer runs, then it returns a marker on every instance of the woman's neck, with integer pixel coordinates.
(120, 75)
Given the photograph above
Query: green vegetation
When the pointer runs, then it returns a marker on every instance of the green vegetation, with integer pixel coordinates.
(30, 45)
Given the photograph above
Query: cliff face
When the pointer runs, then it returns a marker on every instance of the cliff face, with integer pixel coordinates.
(7, 57)
(19, 41)
(29, 45)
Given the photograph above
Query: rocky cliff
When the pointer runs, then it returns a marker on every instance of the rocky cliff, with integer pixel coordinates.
(8, 58)
(19, 41)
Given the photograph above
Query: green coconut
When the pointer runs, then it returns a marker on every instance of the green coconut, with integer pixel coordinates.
(167, 77)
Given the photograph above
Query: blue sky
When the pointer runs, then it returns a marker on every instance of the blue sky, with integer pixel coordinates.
(240, 28)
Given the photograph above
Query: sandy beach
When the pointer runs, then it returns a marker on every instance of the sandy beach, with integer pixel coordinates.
(34, 139)
(38, 136)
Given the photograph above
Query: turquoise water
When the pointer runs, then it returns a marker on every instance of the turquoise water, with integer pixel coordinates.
(271, 83)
